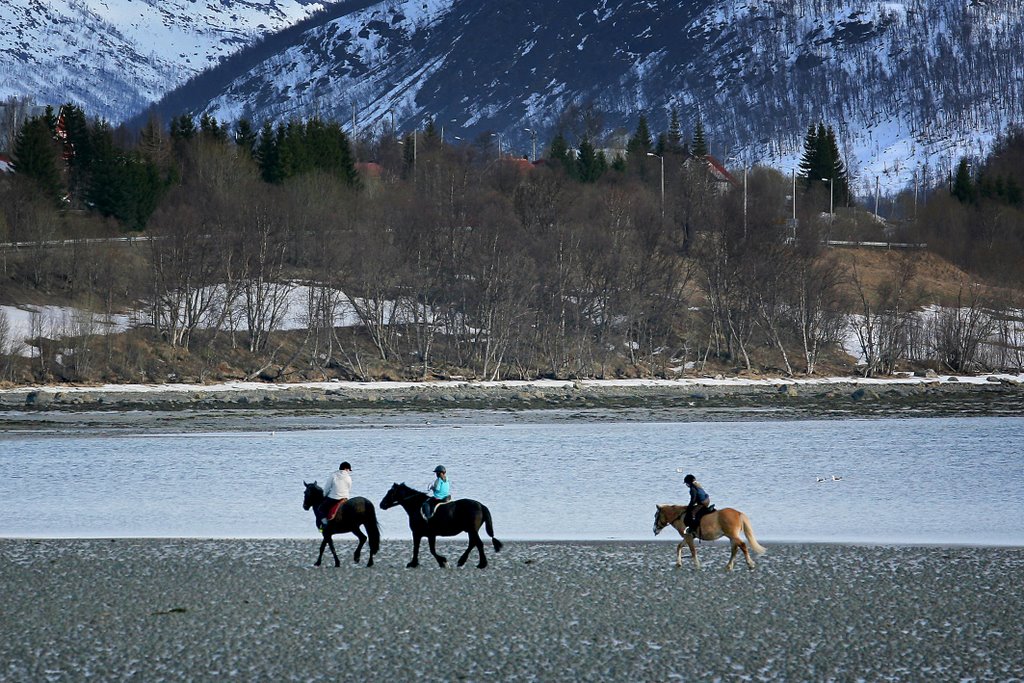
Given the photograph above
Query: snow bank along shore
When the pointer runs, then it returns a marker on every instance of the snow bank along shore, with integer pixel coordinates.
(694, 392)
(257, 610)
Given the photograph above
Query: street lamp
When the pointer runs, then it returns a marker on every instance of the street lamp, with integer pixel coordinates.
(533, 134)
(662, 158)
(831, 198)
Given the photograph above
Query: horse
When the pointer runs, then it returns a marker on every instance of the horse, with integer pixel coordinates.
(354, 512)
(725, 522)
(449, 519)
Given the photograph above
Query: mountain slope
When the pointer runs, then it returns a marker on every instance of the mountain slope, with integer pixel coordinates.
(909, 86)
(114, 57)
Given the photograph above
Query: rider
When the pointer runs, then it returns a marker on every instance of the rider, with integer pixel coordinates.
(699, 501)
(438, 492)
(339, 485)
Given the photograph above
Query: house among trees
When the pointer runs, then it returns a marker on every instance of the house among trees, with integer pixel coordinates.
(719, 174)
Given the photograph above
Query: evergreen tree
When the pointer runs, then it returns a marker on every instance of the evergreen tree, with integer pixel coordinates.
(640, 144)
(590, 165)
(211, 130)
(963, 188)
(1014, 195)
(75, 135)
(37, 156)
(836, 169)
(809, 170)
(267, 155)
(245, 136)
(674, 137)
(559, 152)
(661, 146)
(699, 146)
(822, 163)
(183, 129)
(409, 150)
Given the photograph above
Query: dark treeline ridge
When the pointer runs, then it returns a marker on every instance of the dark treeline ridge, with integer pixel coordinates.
(271, 252)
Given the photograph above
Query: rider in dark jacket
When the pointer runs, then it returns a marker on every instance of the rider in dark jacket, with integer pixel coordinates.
(699, 501)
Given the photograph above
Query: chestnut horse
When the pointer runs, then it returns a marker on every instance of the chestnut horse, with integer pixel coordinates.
(725, 522)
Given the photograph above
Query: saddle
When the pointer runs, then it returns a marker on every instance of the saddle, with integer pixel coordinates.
(334, 509)
(692, 519)
(435, 503)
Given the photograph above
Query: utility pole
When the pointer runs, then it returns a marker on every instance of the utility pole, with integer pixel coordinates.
(876, 197)
(533, 135)
(652, 154)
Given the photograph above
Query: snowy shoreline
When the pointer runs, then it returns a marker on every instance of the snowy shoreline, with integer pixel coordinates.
(696, 392)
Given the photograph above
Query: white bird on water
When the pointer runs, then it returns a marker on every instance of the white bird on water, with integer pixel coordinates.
(821, 479)
(835, 478)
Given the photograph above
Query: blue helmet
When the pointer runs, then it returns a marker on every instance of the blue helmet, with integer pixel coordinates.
(439, 469)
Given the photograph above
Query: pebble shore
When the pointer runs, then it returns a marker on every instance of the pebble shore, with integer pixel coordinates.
(236, 405)
(191, 609)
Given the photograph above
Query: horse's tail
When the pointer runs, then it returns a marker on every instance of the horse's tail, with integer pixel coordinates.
(372, 528)
(489, 526)
(751, 539)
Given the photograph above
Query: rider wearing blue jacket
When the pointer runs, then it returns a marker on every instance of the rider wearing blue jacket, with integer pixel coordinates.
(439, 492)
(699, 502)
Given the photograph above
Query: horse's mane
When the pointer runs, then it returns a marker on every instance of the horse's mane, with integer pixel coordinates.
(406, 488)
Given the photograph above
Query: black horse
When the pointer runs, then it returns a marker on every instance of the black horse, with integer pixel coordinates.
(354, 512)
(449, 519)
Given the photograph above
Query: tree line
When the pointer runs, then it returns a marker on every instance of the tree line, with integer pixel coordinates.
(455, 260)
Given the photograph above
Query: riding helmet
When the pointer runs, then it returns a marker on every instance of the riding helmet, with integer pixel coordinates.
(345, 466)
(689, 479)
(439, 469)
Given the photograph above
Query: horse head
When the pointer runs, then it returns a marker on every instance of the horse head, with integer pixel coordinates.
(398, 494)
(392, 497)
(660, 519)
(313, 494)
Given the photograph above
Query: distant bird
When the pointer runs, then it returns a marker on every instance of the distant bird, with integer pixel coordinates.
(821, 479)
(835, 478)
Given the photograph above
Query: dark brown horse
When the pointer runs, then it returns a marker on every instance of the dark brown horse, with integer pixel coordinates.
(355, 512)
(450, 519)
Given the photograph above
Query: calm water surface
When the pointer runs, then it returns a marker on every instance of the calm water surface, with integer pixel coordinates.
(907, 480)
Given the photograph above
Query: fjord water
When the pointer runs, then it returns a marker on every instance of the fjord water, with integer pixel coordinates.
(926, 480)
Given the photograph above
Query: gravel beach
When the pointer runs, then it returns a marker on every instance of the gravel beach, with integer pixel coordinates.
(241, 405)
(152, 610)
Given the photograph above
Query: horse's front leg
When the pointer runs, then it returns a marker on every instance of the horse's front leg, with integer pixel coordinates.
(320, 557)
(359, 548)
(693, 551)
(415, 562)
(330, 543)
(679, 553)
(442, 561)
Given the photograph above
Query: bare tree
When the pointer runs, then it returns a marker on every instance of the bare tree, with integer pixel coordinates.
(959, 330)
(883, 314)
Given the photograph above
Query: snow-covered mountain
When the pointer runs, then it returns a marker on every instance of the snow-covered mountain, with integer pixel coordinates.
(114, 57)
(909, 85)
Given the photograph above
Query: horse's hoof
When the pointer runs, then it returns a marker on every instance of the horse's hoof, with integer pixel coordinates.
(412, 565)
(337, 564)
(482, 565)
(316, 564)
(462, 562)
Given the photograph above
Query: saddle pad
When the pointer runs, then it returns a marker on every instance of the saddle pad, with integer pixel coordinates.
(334, 509)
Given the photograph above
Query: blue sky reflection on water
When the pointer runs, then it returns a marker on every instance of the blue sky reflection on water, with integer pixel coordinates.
(902, 481)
